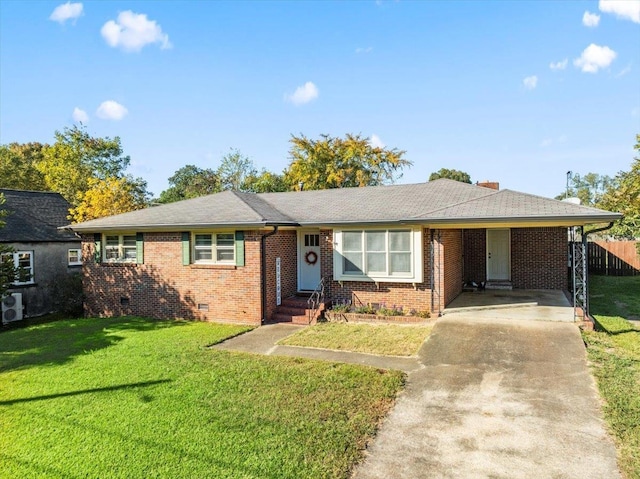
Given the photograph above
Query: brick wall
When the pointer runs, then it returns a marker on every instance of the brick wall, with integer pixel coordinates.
(475, 255)
(283, 245)
(163, 287)
(539, 258)
(451, 241)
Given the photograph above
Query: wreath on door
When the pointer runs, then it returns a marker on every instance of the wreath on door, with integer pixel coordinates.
(311, 258)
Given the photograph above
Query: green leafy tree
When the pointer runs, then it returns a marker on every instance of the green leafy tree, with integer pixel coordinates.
(19, 166)
(190, 182)
(266, 182)
(75, 157)
(235, 171)
(456, 175)
(623, 196)
(341, 162)
(589, 188)
(110, 196)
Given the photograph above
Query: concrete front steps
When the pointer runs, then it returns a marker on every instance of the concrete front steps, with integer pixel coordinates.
(295, 310)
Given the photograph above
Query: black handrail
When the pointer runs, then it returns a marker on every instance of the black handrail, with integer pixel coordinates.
(315, 300)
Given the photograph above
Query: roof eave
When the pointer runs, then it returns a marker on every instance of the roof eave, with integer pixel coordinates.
(173, 227)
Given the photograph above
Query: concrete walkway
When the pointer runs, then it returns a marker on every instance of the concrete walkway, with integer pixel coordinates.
(486, 398)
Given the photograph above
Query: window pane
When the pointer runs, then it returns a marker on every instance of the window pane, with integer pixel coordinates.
(376, 262)
(129, 241)
(225, 254)
(203, 240)
(352, 241)
(375, 240)
(130, 254)
(112, 241)
(352, 263)
(202, 255)
(74, 256)
(24, 260)
(400, 262)
(225, 239)
(399, 241)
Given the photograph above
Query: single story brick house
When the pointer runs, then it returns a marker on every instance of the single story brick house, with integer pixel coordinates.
(235, 256)
(46, 253)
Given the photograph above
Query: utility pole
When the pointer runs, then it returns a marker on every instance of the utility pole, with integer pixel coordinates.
(566, 195)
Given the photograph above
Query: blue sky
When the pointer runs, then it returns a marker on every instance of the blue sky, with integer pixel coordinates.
(517, 92)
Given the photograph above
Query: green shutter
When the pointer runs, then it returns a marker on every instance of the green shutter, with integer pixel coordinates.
(186, 248)
(97, 247)
(239, 248)
(139, 248)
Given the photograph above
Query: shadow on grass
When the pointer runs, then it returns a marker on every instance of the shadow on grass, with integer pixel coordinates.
(85, 391)
(56, 342)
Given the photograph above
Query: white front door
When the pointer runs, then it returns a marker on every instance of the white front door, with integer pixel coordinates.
(308, 259)
(498, 255)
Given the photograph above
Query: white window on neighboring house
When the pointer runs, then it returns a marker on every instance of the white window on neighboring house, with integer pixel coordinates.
(216, 248)
(378, 255)
(120, 248)
(23, 260)
(74, 257)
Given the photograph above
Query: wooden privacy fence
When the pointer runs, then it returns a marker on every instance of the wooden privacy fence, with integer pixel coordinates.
(614, 258)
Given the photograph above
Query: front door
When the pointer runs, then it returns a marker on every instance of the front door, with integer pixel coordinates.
(308, 259)
(498, 255)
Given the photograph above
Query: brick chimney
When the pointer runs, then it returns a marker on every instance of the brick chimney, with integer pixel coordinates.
(494, 185)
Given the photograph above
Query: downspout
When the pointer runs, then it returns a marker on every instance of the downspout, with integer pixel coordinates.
(586, 272)
(433, 273)
(263, 272)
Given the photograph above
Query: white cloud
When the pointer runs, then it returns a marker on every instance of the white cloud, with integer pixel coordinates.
(530, 82)
(624, 71)
(111, 110)
(79, 115)
(376, 142)
(303, 94)
(590, 19)
(561, 65)
(66, 11)
(133, 31)
(595, 57)
(364, 50)
(627, 9)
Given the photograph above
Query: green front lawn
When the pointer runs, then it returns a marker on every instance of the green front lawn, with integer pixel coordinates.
(385, 339)
(614, 355)
(136, 398)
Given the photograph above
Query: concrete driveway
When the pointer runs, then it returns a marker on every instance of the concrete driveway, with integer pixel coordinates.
(497, 398)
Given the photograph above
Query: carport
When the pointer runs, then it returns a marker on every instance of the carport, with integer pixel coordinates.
(540, 305)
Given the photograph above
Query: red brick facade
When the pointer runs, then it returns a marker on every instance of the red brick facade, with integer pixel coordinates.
(538, 257)
(162, 287)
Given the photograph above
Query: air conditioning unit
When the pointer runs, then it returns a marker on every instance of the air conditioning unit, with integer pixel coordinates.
(12, 308)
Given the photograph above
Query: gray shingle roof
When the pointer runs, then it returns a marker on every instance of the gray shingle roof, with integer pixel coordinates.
(35, 216)
(436, 202)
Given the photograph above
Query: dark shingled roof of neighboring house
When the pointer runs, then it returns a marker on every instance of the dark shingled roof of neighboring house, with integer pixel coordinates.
(438, 202)
(34, 216)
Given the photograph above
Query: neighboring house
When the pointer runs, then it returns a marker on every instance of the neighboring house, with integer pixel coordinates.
(234, 256)
(45, 252)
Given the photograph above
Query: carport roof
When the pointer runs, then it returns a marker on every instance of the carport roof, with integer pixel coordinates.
(439, 202)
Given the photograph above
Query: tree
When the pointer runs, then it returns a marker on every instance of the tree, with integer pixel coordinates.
(266, 182)
(623, 196)
(341, 162)
(190, 182)
(110, 196)
(75, 157)
(19, 166)
(589, 188)
(456, 175)
(235, 170)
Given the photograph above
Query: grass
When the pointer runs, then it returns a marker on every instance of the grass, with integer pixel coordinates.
(386, 339)
(136, 398)
(614, 355)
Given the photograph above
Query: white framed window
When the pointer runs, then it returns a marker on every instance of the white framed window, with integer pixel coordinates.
(378, 254)
(74, 257)
(215, 248)
(120, 248)
(24, 261)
